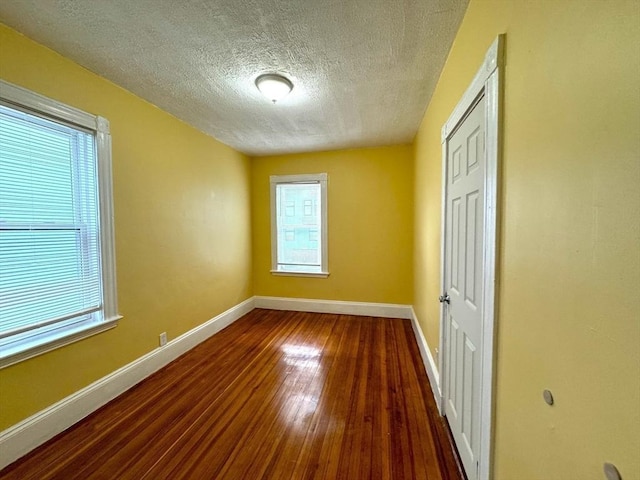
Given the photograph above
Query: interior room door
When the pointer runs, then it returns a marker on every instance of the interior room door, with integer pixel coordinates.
(463, 283)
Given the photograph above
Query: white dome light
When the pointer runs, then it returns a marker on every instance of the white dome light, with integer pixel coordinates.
(273, 86)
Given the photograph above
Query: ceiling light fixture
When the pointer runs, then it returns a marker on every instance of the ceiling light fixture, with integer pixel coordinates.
(274, 86)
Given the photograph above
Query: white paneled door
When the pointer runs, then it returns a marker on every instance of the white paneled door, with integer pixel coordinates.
(463, 283)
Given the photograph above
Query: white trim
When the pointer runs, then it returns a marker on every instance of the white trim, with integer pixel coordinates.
(23, 437)
(488, 83)
(40, 104)
(35, 349)
(493, 92)
(300, 274)
(493, 60)
(107, 235)
(324, 234)
(302, 178)
(322, 179)
(428, 361)
(386, 310)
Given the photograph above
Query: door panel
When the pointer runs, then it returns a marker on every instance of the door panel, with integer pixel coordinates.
(463, 282)
(471, 244)
(456, 273)
(453, 397)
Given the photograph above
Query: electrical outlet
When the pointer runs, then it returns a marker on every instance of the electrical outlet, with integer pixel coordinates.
(163, 339)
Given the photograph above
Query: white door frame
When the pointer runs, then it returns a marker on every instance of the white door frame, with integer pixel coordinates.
(488, 83)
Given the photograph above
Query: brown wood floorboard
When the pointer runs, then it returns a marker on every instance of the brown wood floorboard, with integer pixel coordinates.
(276, 395)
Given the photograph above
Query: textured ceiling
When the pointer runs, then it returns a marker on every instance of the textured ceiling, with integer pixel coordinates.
(363, 70)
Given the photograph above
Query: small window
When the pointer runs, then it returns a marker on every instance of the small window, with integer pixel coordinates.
(57, 274)
(299, 241)
(290, 209)
(308, 207)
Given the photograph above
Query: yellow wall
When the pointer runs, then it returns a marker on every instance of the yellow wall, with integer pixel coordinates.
(182, 225)
(569, 304)
(569, 267)
(370, 201)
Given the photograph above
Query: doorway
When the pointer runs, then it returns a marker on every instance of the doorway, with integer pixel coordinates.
(470, 154)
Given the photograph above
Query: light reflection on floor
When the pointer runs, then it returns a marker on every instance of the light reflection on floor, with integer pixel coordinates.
(306, 370)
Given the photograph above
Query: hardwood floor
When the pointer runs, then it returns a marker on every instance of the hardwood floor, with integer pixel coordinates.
(277, 395)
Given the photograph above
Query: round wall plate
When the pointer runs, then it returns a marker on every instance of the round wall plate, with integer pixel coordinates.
(548, 397)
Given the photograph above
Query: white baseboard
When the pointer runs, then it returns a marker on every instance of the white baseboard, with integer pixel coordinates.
(23, 437)
(427, 359)
(387, 310)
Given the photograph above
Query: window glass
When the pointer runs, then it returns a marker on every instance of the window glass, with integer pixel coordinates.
(298, 223)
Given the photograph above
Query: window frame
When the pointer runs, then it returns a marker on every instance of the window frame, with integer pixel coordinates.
(14, 96)
(322, 179)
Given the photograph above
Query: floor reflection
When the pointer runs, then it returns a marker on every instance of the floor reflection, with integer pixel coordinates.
(306, 375)
(301, 356)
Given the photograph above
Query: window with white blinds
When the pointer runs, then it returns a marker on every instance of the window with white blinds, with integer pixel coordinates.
(52, 274)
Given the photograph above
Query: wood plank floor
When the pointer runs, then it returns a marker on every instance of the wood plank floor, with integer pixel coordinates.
(276, 395)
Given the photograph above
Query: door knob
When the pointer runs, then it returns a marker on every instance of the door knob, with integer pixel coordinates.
(444, 298)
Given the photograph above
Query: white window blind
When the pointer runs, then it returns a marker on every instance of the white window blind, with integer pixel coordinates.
(49, 236)
(51, 269)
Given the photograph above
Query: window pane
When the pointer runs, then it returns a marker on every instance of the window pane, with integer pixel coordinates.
(298, 224)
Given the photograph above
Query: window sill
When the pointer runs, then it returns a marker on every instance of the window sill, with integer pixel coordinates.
(15, 355)
(280, 273)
